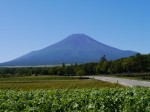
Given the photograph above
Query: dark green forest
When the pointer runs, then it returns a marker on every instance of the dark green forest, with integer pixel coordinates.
(125, 66)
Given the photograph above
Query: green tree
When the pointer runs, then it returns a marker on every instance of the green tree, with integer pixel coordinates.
(63, 65)
(102, 66)
(80, 73)
(103, 59)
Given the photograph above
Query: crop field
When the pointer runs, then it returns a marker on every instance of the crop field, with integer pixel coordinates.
(52, 82)
(70, 94)
(76, 100)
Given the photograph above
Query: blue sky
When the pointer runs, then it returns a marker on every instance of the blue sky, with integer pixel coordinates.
(27, 25)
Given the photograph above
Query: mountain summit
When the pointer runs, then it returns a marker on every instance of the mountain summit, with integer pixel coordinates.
(76, 48)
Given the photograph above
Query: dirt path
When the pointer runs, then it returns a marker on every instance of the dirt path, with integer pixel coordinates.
(126, 82)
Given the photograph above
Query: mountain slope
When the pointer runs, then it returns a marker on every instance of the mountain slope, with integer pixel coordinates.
(78, 48)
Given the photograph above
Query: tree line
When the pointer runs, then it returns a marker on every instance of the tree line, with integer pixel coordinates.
(135, 64)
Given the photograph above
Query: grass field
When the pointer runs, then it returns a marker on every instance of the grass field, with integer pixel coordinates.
(52, 82)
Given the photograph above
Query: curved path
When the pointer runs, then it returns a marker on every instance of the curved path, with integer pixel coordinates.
(126, 82)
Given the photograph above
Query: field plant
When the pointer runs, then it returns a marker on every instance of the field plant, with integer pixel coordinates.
(76, 100)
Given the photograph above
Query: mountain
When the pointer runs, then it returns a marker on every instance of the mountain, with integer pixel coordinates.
(76, 48)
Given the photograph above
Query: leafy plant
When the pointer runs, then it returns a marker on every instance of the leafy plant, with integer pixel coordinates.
(80, 100)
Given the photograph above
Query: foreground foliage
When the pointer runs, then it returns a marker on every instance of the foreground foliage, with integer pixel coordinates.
(81, 100)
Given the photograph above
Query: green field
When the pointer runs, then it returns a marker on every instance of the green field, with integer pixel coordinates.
(69, 94)
(52, 82)
(76, 100)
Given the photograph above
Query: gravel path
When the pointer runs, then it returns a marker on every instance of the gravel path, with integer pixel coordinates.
(126, 82)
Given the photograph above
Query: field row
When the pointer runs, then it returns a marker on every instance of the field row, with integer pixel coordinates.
(52, 82)
(81, 100)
